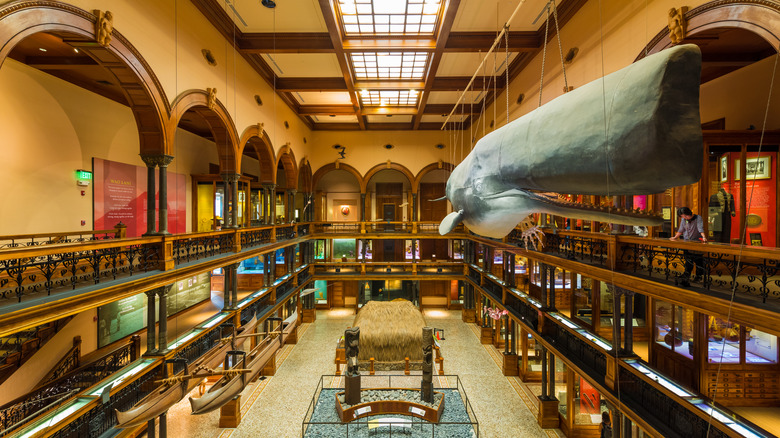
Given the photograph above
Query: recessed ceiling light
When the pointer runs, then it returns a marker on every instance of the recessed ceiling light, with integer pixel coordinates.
(388, 146)
(76, 50)
(439, 146)
(42, 49)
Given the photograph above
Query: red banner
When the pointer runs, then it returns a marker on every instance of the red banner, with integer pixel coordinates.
(120, 196)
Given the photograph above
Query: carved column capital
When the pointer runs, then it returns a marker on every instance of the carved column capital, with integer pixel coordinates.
(618, 291)
(156, 160)
(230, 177)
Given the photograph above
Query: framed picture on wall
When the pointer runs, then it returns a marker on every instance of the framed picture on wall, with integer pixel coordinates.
(666, 213)
(724, 168)
(755, 168)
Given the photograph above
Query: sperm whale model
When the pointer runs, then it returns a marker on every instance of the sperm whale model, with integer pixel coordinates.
(651, 140)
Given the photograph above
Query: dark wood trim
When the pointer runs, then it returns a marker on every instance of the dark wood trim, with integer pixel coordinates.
(326, 6)
(433, 66)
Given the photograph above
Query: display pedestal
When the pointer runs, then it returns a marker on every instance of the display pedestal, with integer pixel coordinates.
(230, 414)
(467, 315)
(270, 367)
(309, 315)
(292, 338)
(548, 413)
(352, 390)
(510, 365)
(486, 335)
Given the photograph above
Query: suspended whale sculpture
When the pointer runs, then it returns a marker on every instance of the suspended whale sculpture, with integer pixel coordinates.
(651, 140)
(173, 389)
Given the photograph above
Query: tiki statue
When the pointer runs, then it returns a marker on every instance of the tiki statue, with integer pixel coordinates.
(351, 341)
(427, 366)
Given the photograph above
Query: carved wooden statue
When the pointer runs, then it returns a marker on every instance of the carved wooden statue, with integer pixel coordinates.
(352, 374)
(211, 99)
(351, 341)
(104, 25)
(677, 24)
(426, 392)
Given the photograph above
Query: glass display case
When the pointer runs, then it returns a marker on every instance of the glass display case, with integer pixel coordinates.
(344, 249)
(727, 341)
(674, 328)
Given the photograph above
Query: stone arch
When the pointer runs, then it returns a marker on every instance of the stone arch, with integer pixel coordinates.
(322, 171)
(758, 16)
(427, 169)
(286, 157)
(255, 137)
(388, 166)
(220, 124)
(141, 88)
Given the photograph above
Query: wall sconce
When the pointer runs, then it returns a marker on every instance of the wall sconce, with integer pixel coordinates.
(345, 210)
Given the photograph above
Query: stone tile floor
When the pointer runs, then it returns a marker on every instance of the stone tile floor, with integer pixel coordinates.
(275, 407)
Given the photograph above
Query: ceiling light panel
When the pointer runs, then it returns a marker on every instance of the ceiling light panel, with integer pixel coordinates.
(389, 17)
(389, 65)
(389, 97)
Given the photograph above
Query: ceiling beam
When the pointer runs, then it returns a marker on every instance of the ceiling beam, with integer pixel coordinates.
(328, 13)
(320, 42)
(523, 41)
(60, 62)
(441, 41)
(441, 83)
(310, 84)
(291, 42)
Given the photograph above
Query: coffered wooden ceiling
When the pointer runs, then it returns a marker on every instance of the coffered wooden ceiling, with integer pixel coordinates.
(302, 49)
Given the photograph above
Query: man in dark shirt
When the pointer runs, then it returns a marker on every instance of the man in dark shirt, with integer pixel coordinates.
(691, 229)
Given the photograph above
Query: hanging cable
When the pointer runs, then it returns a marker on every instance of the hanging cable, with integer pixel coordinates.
(503, 30)
(544, 53)
(560, 47)
(743, 232)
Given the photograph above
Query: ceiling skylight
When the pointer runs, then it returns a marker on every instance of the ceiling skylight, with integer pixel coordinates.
(389, 17)
(389, 65)
(389, 97)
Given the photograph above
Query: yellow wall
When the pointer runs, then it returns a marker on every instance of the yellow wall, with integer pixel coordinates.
(626, 27)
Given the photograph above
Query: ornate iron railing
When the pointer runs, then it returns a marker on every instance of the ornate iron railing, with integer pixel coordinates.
(751, 273)
(101, 418)
(255, 237)
(285, 232)
(22, 240)
(25, 271)
(583, 247)
(192, 247)
(585, 355)
(67, 385)
(668, 415)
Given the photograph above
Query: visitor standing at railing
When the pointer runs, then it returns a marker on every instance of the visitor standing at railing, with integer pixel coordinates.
(691, 229)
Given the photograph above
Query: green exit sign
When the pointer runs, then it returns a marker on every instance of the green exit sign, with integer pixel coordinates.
(83, 174)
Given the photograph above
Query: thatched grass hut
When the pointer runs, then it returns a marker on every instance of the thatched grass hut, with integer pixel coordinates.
(390, 331)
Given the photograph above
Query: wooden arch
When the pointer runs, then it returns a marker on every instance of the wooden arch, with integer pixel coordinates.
(287, 158)
(428, 169)
(388, 166)
(305, 176)
(255, 137)
(220, 124)
(140, 86)
(324, 170)
(758, 16)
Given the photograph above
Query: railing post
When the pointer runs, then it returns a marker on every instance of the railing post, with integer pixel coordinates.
(135, 347)
(120, 230)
